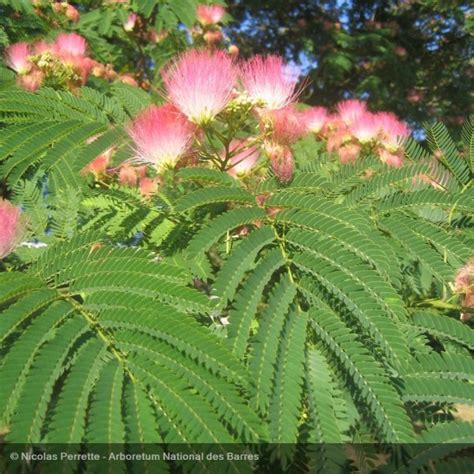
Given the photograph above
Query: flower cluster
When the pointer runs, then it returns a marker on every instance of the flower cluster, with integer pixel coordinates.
(208, 90)
(62, 63)
(353, 127)
(208, 31)
(65, 61)
(12, 227)
(203, 86)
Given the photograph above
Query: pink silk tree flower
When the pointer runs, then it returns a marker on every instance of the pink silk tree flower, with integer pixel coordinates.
(149, 186)
(16, 57)
(287, 124)
(394, 159)
(70, 44)
(269, 82)
(72, 13)
(349, 152)
(11, 227)
(161, 135)
(464, 284)
(366, 128)
(315, 118)
(349, 111)
(243, 161)
(30, 82)
(210, 14)
(281, 160)
(200, 84)
(392, 130)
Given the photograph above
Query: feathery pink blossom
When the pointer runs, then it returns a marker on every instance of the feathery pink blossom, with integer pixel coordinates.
(349, 111)
(464, 284)
(269, 82)
(315, 118)
(288, 124)
(243, 161)
(161, 135)
(392, 130)
(281, 160)
(11, 227)
(148, 186)
(200, 84)
(70, 44)
(210, 14)
(365, 128)
(16, 57)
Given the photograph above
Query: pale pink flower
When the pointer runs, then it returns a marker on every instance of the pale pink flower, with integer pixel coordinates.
(30, 82)
(464, 284)
(213, 37)
(129, 24)
(98, 166)
(128, 175)
(392, 130)
(161, 135)
(128, 79)
(243, 161)
(365, 128)
(210, 14)
(200, 84)
(315, 118)
(72, 13)
(11, 227)
(148, 186)
(349, 152)
(41, 47)
(70, 44)
(287, 124)
(16, 57)
(281, 160)
(394, 159)
(349, 111)
(337, 139)
(269, 82)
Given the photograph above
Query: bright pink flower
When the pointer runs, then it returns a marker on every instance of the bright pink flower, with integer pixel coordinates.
(365, 128)
(392, 130)
(244, 160)
(269, 82)
(129, 24)
(350, 110)
(210, 14)
(315, 118)
(16, 57)
(349, 152)
(30, 82)
(288, 124)
(11, 227)
(200, 84)
(70, 44)
(161, 135)
(394, 159)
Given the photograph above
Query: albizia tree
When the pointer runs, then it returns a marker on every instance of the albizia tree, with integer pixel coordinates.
(190, 256)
